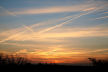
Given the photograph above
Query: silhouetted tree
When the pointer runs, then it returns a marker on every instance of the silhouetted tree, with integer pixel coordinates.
(96, 62)
(12, 60)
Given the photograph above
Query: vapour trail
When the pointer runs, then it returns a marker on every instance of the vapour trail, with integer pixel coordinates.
(53, 27)
(9, 12)
(102, 17)
(66, 22)
(28, 28)
(34, 25)
(10, 37)
(50, 21)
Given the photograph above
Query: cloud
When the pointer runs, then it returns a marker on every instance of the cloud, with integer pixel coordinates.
(11, 37)
(60, 52)
(105, 12)
(17, 31)
(22, 35)
(28, 28)
(37, 35)
(68, 21)
(81, 32)
(102, 17)
(56, 9)
(6, 12)
(87, 6)
(100, 50)
(23, 51)
(74, 33)
(88, 9)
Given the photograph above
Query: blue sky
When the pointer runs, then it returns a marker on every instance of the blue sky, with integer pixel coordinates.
(62, 28)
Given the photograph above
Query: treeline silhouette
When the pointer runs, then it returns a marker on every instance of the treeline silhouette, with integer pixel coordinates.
(12, 60)
(14, 63)
(99, 63)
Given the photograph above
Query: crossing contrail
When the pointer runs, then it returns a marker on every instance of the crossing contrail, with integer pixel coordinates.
(30, 28)
(50, 28)
(51, 21)
(66, 22)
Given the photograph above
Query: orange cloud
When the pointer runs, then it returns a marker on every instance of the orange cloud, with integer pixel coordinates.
(78, 32)
(22, 51)
(88, 9)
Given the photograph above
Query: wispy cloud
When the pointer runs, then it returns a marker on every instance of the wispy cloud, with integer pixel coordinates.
(105, 12)
(68, 21)
(56, 9)
(17, 31)
(74, 33)
(22, 35)
(11, 37)
(5, 12)
(87, 6)
(23, 51)
(88, 9)
(102, 17)
(28, 28)
(18, 35)
(81, 32)
(99, 50)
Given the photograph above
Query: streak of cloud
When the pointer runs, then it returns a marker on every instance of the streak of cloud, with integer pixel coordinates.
(53, 27)
(81, 32)
(56, 35)
(88, 9)
(55, 9)
(11, 37)
(100, 50)
(66, 22)
(28, 28)
(6, 12)
(21, 30)
(105, 12)
(102, 17)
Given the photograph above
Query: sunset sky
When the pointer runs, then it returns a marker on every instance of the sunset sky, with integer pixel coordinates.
(54, 31)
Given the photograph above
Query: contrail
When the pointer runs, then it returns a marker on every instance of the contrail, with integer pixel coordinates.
(16, 34)
(66, 22)
(35, 25)
(10, 37)
(102, 17)
(47, 22)
(51, 21)
(32, 26)
(9, 12)
(28, 28)
(50, 28)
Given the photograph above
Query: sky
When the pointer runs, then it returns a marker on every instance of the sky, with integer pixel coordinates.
(54, 31)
